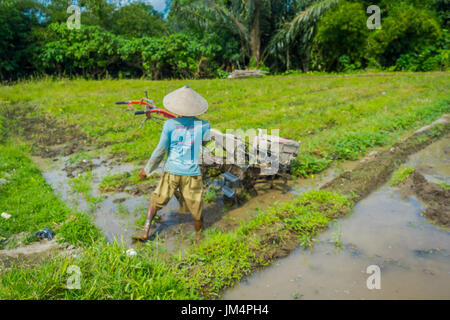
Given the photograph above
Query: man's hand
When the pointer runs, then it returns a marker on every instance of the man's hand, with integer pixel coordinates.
(142, 174)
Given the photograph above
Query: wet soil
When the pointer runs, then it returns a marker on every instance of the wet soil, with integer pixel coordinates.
(35, 253)
(49, 136)
(436, 198)
(80, 167)
(374, 170)
(388, 229)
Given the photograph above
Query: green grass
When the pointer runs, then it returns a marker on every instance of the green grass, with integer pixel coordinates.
(208, 266)
(335, 118)
(399, 175)
(111, 182)
(32, 202)
(106, 273)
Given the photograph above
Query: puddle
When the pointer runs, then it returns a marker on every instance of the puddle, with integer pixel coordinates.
(116, 213)
(434, 161)
(385, 229)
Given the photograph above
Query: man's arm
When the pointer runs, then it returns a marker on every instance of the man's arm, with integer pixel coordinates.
(158, 153)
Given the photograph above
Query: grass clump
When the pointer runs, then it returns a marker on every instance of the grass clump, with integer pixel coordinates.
(113, 182)
(307, 164)
(444, 185)
(210, 195)
(210, 265)
(399, 175)
(106, 273)
(82, 185)
(31, 201)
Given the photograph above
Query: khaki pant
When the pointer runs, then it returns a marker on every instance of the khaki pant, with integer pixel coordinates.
(191, 192)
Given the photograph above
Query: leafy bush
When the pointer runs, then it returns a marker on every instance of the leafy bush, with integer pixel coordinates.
(95, 53)
(427, 58)
(179, 56)
(341, 38)
(404, 30)
(89, 51)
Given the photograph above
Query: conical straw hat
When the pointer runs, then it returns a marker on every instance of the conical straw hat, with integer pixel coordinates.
(185, 102)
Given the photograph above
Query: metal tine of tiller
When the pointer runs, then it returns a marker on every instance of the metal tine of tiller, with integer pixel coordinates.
(230, 177)
(142, 123)
(158, 120)
(228, 192)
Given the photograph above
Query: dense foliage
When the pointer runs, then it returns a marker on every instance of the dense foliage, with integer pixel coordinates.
(208, 38)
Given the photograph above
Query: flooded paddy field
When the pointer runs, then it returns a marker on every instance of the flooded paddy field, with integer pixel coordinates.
(120, 212)
(386, 229)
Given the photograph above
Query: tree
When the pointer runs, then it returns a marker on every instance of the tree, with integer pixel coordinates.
(341, 38)
(137, 20)
(298, 32)
(255, 21)
(97, 12)
(405, 29)
(241, 18)
(17, 22)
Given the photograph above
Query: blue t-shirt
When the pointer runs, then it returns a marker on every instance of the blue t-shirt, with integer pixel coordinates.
(183, 138)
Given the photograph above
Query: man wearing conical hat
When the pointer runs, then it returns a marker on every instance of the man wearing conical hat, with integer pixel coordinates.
(181, 139)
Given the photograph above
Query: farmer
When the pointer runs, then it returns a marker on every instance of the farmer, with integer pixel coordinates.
(182, 139)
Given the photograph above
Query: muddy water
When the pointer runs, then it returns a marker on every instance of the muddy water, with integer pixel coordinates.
(385, 229)
(115, 218)
(116, 214)
(434, 161)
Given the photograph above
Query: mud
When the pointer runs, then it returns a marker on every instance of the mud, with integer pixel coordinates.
(49, 136)
(436, 198)
(35, 253)
(80, 167)
(374, 170)
(386, 229)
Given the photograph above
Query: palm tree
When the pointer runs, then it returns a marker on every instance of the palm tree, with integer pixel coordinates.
(281, 23)
(299, 30)
(239, 17)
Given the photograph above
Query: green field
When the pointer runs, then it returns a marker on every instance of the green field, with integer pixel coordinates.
(336, 117)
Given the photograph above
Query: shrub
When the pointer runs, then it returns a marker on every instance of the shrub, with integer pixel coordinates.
(341, 38)
(180, 56)
(427, 58)
(403, 31)
(89, 51)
